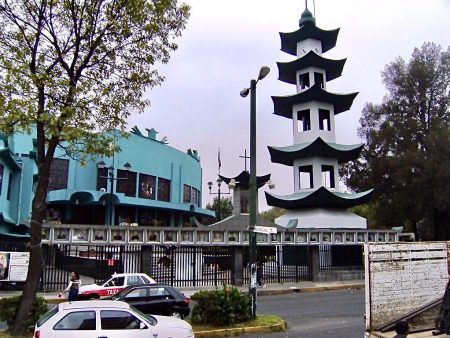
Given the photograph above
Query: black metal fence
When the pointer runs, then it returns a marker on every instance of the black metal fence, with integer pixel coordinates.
(191, 266)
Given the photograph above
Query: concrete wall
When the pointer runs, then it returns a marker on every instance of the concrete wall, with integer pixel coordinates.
(401, 277)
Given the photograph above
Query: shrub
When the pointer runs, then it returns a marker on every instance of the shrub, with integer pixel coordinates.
(220, 307)
(10, 305)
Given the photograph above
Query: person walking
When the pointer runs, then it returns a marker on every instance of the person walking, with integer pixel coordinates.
(74, 286)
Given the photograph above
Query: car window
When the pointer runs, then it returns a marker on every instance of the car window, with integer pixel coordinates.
(138, 293)
(154, 292)
(47, 316)
(118, 320)
(134, 280)
(117, 281)
(80, 320)
(146, 280)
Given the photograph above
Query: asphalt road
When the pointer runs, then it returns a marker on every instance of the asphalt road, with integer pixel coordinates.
(326, 314)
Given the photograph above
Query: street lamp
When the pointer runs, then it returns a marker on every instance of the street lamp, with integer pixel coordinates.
(111, 178)
(252, 185)
(218, 193)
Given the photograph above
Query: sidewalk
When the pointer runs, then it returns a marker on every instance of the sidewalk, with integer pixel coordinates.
(270, 289)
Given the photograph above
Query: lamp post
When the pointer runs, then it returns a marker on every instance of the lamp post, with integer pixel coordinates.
(252, 183)
(218, 193)
(111, 178)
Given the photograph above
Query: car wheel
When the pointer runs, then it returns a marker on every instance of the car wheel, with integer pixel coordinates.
(176, 314)
(93, 296)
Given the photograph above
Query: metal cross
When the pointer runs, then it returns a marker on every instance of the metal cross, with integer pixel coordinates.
(245, 157)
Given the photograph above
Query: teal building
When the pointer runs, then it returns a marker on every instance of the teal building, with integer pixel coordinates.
(146, 183)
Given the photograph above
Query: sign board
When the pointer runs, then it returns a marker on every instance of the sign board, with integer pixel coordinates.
(14, 266)
(265, 230)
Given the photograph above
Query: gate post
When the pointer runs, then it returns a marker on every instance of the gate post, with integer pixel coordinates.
(314, 262)
(146, 265)
(237, 267)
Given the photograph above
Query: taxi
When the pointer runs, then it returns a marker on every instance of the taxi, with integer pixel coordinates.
(117, 282)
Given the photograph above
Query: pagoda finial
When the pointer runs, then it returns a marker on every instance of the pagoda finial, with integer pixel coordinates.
(306, 3)
(306, 16)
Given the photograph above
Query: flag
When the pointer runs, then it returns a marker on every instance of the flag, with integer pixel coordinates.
(218, 159)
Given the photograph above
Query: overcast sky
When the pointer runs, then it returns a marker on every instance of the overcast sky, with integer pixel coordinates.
(225, 43)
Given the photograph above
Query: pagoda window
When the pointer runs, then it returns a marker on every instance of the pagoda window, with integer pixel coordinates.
(306, 177)
(303, 80)
(304, 120)
(328, 176)
(318, 79)
(324, 119)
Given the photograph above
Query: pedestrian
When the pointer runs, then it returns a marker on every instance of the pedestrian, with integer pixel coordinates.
(443, 319)
(402, 329)
(259, 273)
(74, 286)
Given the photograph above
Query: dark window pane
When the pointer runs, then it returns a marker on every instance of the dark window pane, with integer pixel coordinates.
(126, 182)
(328, 176)
(163, 190)
(324, 119)
(146, 217)
(195, 197)
(186, 194)
(59, 171)
(8, 192)
(147, 186)
(102, 174)
(1, 178)
(318, 79)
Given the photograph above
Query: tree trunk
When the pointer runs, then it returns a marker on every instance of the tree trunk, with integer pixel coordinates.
(36, 262)
(39, 207)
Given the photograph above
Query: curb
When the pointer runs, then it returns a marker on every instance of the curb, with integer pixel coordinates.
(241, 330)
(310, 289)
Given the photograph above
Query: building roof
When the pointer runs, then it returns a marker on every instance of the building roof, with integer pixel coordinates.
(287, 70)
(7, 157)
(243, 179)
(341, 102)
(321, 197)
(287, 155)
(308, 31)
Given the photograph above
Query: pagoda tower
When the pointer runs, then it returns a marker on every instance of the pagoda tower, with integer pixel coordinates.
(314, 155)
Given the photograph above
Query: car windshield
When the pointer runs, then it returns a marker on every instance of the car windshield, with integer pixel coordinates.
(149, 319)
(119, 294)
(103, 281)
(47, 316)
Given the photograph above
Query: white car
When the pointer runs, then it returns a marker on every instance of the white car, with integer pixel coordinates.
(112, 285)
(107, 318)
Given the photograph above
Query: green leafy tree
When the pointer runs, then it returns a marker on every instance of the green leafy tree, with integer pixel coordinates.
(74, 70)
(273, 213)
(226, 207)
(407, 152)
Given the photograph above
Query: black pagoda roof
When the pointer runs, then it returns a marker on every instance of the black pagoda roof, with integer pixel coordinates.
(341, 102)
(308, 31)
(287, 155)
(321, 197)
(243, 179)
(287, 70)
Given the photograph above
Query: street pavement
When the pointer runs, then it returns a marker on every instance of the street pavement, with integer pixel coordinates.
(270, 289)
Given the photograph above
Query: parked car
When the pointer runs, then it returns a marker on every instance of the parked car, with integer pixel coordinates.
(106, 318)
(112, 285)
(155, 299)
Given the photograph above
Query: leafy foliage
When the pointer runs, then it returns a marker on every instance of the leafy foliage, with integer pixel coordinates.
(9, 306)
(220, 307)
(73, 71)
(407, 152)
(273, 213)
(226, 207)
